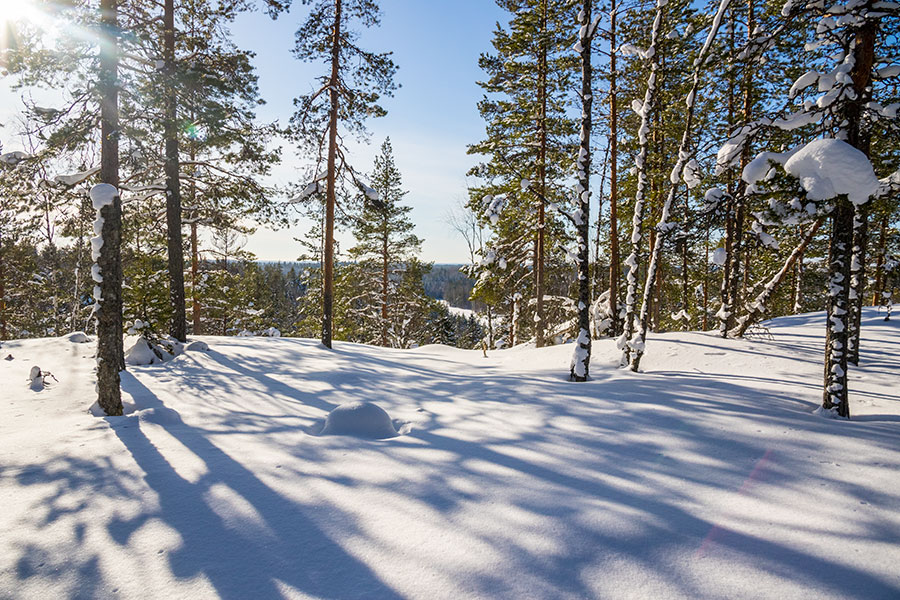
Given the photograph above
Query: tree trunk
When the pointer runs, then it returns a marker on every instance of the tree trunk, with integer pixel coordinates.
(705, 323)
(837, 336)
(837, 328)
(195, 272)
(726, 308)
(331, 183)
(385, 260)
(625, 341)
(173, 183)
(663, 228)
(757, 309)
(857, 280)
(3, 331)
(110, 355)
(539, 324)
(685, 280)
(613, 180)
(582, 357)
(879, 263)
(797, 289)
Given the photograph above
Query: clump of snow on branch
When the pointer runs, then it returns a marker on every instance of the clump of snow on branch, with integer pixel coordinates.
(493, 207)
(828, 168)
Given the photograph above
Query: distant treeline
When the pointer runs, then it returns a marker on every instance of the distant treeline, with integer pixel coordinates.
(442, 282)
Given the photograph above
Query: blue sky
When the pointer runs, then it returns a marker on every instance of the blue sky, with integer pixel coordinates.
(430, 120)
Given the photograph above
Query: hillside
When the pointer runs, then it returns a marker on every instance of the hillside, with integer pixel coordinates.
(706, 476)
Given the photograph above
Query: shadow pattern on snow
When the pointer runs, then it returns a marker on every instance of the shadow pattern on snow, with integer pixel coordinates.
(577, 482)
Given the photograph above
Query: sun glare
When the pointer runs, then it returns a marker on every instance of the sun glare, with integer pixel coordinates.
(13, 12)
(16, 14)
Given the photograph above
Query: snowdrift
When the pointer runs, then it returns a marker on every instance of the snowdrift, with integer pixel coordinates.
(706, 476)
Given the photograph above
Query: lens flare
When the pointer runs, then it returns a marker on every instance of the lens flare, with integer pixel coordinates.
(15, 14)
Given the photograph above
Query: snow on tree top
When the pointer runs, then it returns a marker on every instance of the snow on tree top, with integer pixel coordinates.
(828, 167)
(103, 194)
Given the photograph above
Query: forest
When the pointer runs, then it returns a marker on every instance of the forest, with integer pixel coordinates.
(645, 167)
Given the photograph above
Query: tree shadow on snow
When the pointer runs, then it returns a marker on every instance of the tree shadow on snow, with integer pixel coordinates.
(239, 563)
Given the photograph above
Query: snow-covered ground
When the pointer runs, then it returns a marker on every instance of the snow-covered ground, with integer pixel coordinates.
(707, 476)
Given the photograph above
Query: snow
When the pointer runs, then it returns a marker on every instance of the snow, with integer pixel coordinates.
(828, 167)
(13, 158)
(719, 256)
(77, 337)
(370, 193)
(102, 195)
(76, 178)
(142, 353)
(359, 419)
(706, 476)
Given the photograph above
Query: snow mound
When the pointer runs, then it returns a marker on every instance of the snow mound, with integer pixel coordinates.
(77, 337)
(159, 415)
(197, 346)
(828, 168)
(360, 419)
(143, 353)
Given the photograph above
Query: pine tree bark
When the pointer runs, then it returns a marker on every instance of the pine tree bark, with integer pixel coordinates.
(628, 342)
(173, 182)
(3, 328)
(331, 184)
(385, 262)
(838, 329)
(110, 351)
(705, 321)
(616, 325)
(858, 280)
(580, 369)
(879, 262)
(734, 241)
(664, 227)
(195, 276)
(539, 323)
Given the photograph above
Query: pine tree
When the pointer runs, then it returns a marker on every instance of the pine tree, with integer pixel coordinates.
(581, 360)
(106, 199)
(349, 94)
(846, 108)
(385, 241)
(529, 147)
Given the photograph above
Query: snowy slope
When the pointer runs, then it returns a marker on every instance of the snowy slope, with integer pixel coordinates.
(707, 476)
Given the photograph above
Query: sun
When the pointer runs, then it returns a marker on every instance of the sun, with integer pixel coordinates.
(13, 12)
(16, 14)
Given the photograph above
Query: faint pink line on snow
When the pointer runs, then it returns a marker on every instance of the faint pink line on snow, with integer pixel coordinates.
(754, 474)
